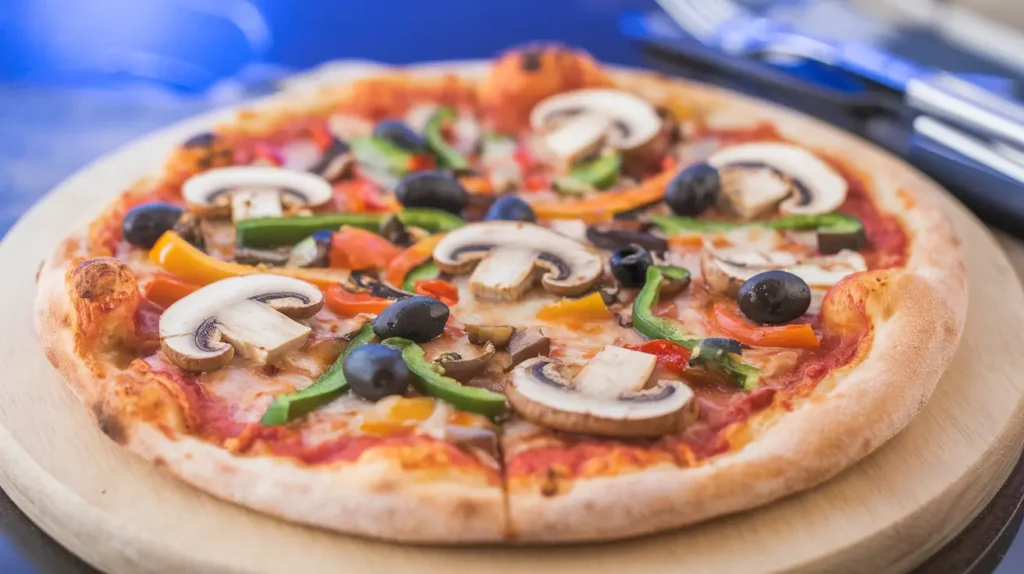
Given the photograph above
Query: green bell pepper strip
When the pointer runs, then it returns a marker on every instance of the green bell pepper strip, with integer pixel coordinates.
(711, 354)
(276, 231)
(835, 230)
(432, 383)
(598, 173)
(646, 323)
(423, 271)
(326, 388)
(432, 132)
(380, 154)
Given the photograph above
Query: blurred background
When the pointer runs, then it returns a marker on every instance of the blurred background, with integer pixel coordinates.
(80, 77)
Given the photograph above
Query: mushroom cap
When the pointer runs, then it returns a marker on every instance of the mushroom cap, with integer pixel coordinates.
(201, 331)
(570, 266)
(539, 393)
(820, 189)
(306, 188)
(724, 270)
(634, 120)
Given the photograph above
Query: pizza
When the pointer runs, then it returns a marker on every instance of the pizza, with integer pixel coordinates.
(538, 300)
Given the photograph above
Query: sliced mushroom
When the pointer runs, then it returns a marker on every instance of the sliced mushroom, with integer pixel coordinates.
(253, 315)
(335, 162)
(608, 397)
(749, 191)
(462, 369)
(577, 137)
(504, 257)
(527, 344)
(253, 256)
(724, 270)
(363, 282)
(816, 187)
(634, 121)
(497, 335)
(256, 191)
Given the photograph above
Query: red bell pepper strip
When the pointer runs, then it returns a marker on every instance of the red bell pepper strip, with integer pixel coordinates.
(732, 325)
(164, 289)
(671, 355)
(443, 291)
(415, 255)
(349, 304)
(357, 249)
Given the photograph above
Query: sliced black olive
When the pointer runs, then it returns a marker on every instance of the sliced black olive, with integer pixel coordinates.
(432, 189)
(774, 297)
(188, 227)
(392, 229)
(693, 190)
(375, 371)
(144, 224)
(510, 208)
(629, 266)
(606, 237)
(401, 135)
(830, 242)
(418, 319)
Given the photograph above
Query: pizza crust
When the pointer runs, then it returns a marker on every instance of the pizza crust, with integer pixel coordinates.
(917, 314)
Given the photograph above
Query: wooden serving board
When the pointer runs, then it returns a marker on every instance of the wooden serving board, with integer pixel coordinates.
(888, 513)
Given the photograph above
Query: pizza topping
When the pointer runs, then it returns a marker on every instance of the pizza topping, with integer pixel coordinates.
(431, 383)
(497, 335)
(357, 249)
(633, 121)
(462, 369)
(607, 204)
(576, 137)
(335, 162)
(629, 266)
(750, 191)
(608, 397)
(144, 224)
(433, 132)
(401, 135)
(375, 371)
(505, 256)
(267, 257)
(256, 191)
(622, 233)
(817, 187)
(381, 161)
(313, 251)
(275, 231)
(165, 289)
(418, 319)
(498, 157)
(432, 189)
(834, 231)
(510, 208)
(726, 269)
(527, 344)
(774, 297)
(600, 172)
(252, 315)
(328, 386)
(589, 308)
(800, 336)
(693, 190)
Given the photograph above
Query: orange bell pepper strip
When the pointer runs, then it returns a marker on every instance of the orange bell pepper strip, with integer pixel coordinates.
(589, 308)
(671, 355)
(180, 258)
(477, 185)
(164, 289)
(443, 291)
(361, 196)
(603, 206)
(348, 304)
(414, 256)
(358, 249)
(731, 324)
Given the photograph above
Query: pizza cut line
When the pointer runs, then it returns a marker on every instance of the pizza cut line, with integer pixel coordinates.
(550, 303)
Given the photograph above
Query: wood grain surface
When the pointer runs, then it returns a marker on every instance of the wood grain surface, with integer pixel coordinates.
(888, 513)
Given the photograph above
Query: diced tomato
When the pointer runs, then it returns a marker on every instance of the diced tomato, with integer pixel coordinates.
(443, 291)
(537, 183)
(671, 355)
(348, 304)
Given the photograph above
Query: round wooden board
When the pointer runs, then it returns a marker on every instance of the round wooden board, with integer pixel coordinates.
(888, 513)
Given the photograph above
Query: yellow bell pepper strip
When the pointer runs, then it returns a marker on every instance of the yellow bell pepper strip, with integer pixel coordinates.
(401, 416)
(356, 249)
(604, 206)
(443, 291)
(731, 324)
(164, 289)
(589, 308)
(415, 255)
(347, 304)
(181, 259)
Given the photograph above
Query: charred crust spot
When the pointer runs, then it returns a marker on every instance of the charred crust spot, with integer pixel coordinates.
(466, 509)
(159, 461)
(109, 424)
(531, 60)
(98, 278)
(549, 484)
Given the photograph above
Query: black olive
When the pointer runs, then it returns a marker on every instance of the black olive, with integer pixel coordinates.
(418, 319)
(510, 208)
(432, 189)
(693, 190)
(401, 135)
(375, 371)
(714, 349)
(144, 224)
(204, 139)
(774, 297)
(629, 265)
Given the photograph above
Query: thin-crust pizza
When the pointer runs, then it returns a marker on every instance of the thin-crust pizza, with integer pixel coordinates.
(548, 302)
